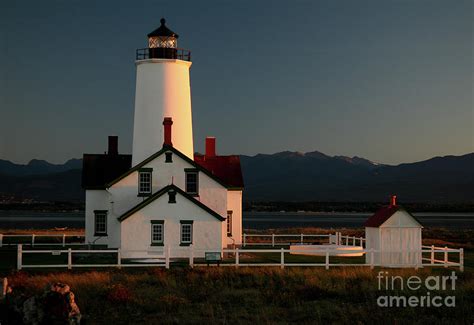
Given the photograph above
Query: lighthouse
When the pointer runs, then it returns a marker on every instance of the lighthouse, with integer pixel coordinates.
(163, 198)
(162, 91)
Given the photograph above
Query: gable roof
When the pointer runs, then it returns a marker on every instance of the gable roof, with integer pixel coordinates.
(99, 169)
(226, 168)
(384, 213)
(164, 190)
(179, 154)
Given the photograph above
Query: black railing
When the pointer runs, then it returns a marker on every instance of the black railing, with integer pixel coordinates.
(163, 53)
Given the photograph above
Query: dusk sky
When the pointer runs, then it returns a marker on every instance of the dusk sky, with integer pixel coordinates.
(391, 81)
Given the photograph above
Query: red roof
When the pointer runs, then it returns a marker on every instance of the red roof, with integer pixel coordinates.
(382, 215)
(226, 168)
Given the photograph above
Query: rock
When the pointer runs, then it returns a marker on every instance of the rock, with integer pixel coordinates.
(56, 305)
(30, 311)
(60, 306)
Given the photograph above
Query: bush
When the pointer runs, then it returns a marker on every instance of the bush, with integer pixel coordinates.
(118, 293)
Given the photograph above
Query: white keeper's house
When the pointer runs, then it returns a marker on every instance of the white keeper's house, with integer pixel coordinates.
(164, 194)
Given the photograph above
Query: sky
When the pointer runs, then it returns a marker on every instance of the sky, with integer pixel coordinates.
(390, 81)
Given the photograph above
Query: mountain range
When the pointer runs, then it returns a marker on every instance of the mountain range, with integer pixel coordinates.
(284, 176)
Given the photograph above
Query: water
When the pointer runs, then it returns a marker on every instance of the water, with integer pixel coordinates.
(20, 219)
(251, 220)
(266, 220)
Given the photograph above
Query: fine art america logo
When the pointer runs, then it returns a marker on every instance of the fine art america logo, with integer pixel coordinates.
(421, 292)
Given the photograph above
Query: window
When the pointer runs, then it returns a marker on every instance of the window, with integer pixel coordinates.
(168, 157)
(186, 232)
(172, 196)
(229, 223)
(157, 232)
(100, 223)
(192, 181)
(144, 181)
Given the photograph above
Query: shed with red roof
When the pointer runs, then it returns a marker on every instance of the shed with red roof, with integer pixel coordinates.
(395, 236)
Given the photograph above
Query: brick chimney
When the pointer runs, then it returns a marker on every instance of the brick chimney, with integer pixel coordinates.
(210, 147)
(393, 200)
(168, 122)
(113, 145)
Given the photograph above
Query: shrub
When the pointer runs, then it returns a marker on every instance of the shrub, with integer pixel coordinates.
(118, 293)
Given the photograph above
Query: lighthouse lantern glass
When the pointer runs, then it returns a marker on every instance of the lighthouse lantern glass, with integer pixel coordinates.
(163, 42)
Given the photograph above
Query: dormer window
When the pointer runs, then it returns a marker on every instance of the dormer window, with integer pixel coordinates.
(172, 196)
(145, 181)
(192, 181)
(168, 157)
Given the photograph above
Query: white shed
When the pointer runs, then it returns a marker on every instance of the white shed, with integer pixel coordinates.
(395, 235)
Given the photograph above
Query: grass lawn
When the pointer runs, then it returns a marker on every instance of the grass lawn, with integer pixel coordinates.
(265, 295)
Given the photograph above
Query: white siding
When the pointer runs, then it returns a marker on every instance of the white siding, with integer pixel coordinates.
(372, 237)
(401, 219)
(100, 200)
(136, 229)
(124, 192)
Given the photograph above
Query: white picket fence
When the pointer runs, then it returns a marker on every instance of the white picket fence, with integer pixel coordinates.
(265, 239)
(32, 241)
(276, 239)
(234, 257)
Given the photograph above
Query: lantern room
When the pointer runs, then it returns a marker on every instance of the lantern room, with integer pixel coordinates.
(162, 37)
(163, 44)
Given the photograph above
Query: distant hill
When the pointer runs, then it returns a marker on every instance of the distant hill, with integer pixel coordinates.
(284, 176)
(37, 167)
(63, 186)
(313, 176)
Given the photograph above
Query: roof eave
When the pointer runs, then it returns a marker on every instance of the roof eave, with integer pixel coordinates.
(164, 190)
(159, 153)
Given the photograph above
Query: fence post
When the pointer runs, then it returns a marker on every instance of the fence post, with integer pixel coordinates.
(33, 240)
(69, 259)
(353, 240)
(191, 256)
(19, 256)
(432, 255)
(445, 256)
(1, 240)
(273, 240)
(461, 259)
(360, 242)
(4, 287)
(119, 258)
(244, 243)
(339, 238)
(64, 240)
(371, 258)
(237, 257)
(167, 257)
(302, 238)
(417, 253)
(282, 261)
(327, 258)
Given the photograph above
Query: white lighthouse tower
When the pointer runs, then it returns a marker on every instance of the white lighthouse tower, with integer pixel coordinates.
(162, 90)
